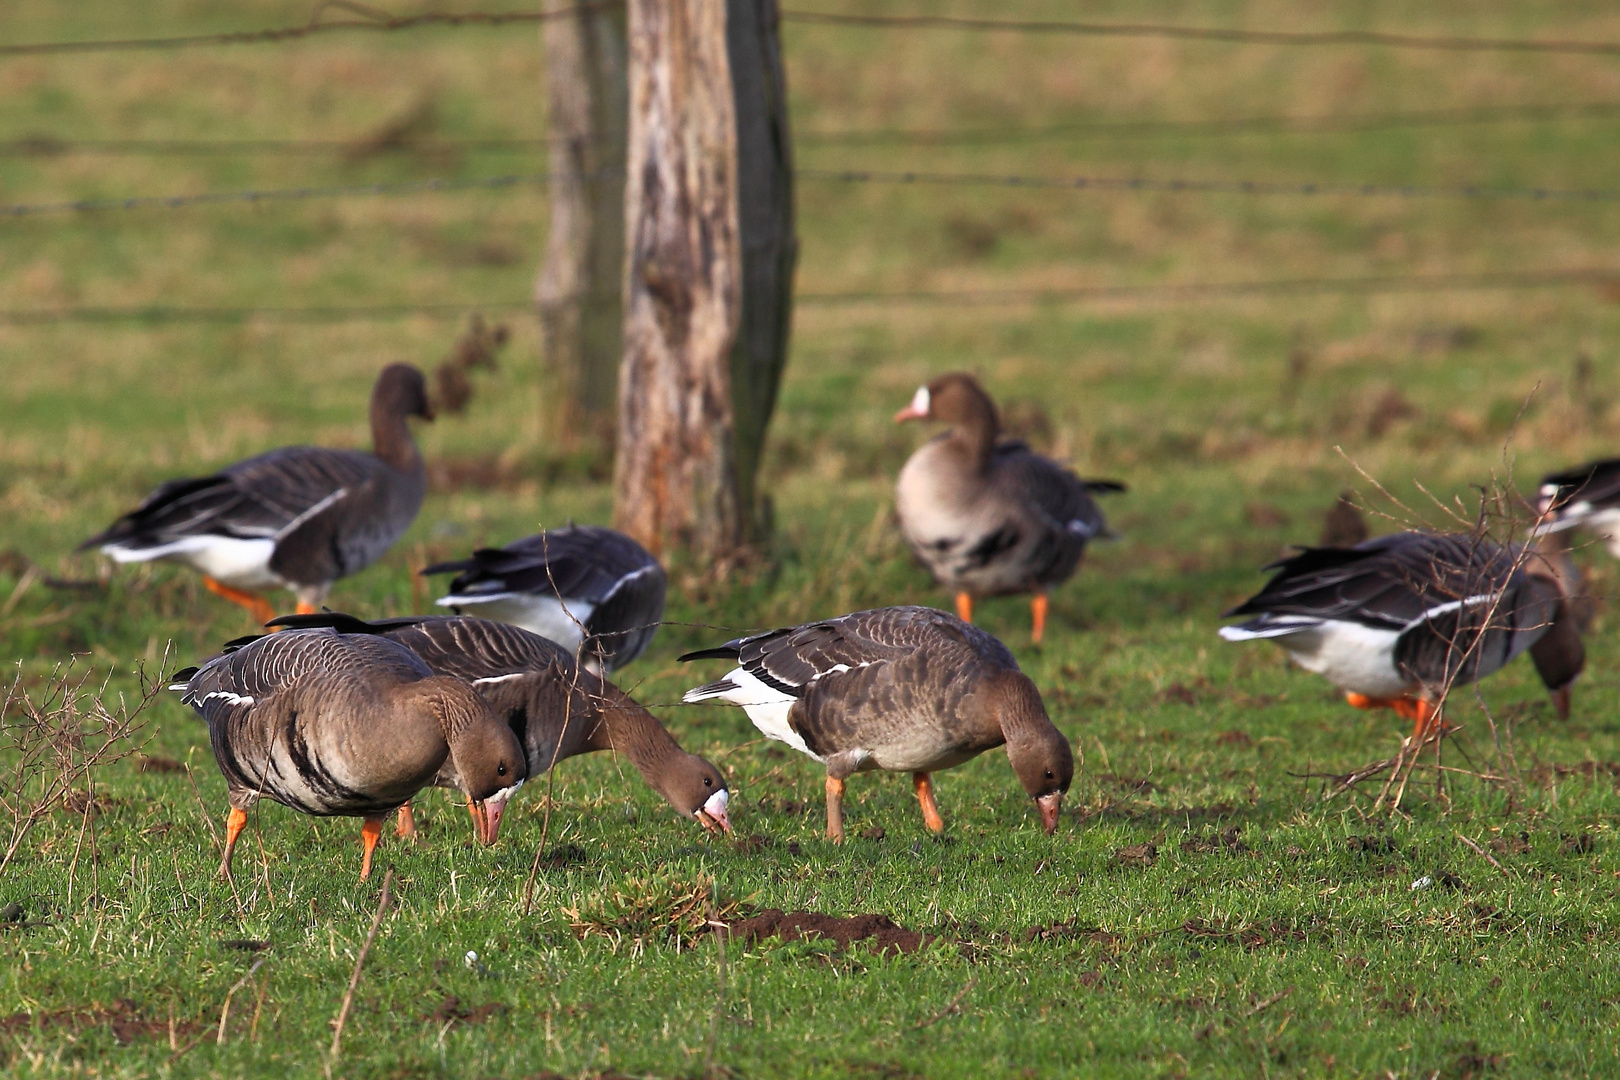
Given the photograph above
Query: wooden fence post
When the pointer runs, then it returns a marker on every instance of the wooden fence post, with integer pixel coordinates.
(709, 275)
(675, 474)
(770, 247)
(580, 288)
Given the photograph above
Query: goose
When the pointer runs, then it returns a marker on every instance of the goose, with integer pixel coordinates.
(1398, 620)
(333, 724)
(1588, 496)
(986, 515)
(296, 518)
(580, 583)
(901, 689)
(555, 708)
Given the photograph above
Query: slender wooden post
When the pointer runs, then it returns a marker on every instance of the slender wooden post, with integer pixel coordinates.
(770, 248)
(675, 475)
(578, 294)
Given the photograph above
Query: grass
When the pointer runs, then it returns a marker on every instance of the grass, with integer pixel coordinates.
(1293, 947)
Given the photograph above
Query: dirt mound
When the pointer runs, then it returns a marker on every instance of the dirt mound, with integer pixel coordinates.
(795, 925)
(451, 1011)
(123, 1016)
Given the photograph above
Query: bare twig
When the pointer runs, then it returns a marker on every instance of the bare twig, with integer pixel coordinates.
(1482, 853)
(359, 962)
(954, 1006)
(225, 1012)
(1268, 1003)
(721, 932)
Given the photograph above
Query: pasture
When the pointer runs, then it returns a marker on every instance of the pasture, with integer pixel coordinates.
(1203, 909)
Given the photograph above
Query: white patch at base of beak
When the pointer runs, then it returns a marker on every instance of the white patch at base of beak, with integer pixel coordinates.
(715, 810)
(920, 401)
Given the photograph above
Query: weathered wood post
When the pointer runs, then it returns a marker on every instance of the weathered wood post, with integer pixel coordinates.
(695, 395)
(770, 247)
(581, 285)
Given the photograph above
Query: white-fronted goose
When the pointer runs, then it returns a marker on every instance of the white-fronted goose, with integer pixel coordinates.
(347, 725)
(555, 709)
(1587, 496)
(1397, 620)
(296, 518)
(986, 515)
(580, 583)
(903, 689)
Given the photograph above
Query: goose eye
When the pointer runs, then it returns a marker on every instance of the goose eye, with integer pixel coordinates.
(708, 782)
(1049, 774)
(500, 770)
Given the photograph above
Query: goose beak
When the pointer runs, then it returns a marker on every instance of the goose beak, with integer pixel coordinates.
(917, 410)
(1049, 806)
(487, 814)
(1560, 699)
(713, 813)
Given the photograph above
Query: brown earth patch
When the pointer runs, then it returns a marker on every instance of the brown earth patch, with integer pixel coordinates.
(1377, 845)
(451, 1011)
(881, 931)
(122, 1016)
(1226, 840)
(1511, 845)
(1137, 855)
(160, 764)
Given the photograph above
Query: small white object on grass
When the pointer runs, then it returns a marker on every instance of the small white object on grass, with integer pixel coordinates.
(1422, 883)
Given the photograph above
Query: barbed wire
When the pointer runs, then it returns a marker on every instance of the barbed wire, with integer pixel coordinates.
(1488, 280)
(1208, 187)
(1382, 39)
(49, 146)
(845, 176)
(376, 20)
(209, 198)
(371, 19)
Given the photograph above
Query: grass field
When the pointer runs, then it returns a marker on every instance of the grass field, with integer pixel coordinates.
(1268, 931)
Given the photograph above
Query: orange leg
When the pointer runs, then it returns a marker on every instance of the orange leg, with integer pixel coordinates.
(964, 606)
(257, 605)
(235, 822)
(405, 825)
(924, 786)
(1421, 713)
(835, 810)
(1362, 701)
(1037, 611)
(369, 833)
(306, 609)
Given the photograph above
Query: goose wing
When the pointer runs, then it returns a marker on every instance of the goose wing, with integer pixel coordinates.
(1576, 494)
(460, 645)
(579, 562)
(264, 497)
(791, 659)
(1053, 492)
(1390, 583)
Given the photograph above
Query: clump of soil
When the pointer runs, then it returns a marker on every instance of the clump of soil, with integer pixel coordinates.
(123, 1016)
(450, 1011)
(880, 930)
(1137, 855)
(159, 764)
(1511, 845)
(1377, 845)
(1227, 840)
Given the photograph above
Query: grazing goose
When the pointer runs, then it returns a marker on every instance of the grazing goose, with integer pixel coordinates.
(296, 518)
(570, 584)
(1587, 495)
(904, 689)
(346, 725)
(1397, 620)
(555, 709)
(987, 516)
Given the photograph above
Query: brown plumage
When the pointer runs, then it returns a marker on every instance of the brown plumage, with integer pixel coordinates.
(902, 689)
(987, 516)
(346, 725)
(555, 708)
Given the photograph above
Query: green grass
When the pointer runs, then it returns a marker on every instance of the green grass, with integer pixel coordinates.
(1297, 953)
